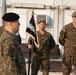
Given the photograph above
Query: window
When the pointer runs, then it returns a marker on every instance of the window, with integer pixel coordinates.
(41, 17)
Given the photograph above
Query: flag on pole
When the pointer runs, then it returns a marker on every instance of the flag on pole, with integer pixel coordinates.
(31, 29)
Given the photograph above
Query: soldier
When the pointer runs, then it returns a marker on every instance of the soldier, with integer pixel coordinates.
(67, 39)
(41, 54)
(11, 58)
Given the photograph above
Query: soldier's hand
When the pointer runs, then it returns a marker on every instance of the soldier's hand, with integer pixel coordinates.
(30, 46)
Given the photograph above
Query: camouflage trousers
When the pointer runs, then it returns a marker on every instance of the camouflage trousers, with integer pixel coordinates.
(67, 63)
(36, 63)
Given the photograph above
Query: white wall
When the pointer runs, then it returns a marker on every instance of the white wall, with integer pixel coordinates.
(0, 17)
(46, 2)
(57, 16)
(32, 1)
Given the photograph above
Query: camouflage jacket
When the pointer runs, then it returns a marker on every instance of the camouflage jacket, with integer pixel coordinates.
(18, 37)
(11, 58)
(67, 38)
(1, 30)
(46, 43)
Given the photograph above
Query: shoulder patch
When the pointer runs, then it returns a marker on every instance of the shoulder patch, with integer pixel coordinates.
(12, 46)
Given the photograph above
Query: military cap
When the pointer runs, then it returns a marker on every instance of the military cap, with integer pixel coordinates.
(10, 17)
(41, 20)
(74, 14)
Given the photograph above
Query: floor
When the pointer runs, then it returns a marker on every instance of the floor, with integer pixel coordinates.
(55, 68)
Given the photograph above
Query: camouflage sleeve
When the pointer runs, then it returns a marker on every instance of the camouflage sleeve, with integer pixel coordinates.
(9, 53)
(32, 42)
(52, 42)
(62, 36)
(9, 47)
(1, 30)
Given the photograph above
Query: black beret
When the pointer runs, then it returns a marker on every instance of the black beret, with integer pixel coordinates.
(10, 17)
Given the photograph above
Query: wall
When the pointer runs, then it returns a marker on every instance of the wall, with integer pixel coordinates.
(58, 16)
(49, 2)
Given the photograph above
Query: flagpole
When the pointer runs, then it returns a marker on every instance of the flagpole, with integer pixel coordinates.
(29, 61)
(31, 30)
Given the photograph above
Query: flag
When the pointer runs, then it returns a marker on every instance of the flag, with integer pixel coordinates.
(31, 29)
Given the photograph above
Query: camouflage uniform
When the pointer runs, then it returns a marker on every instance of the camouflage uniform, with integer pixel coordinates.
(68, 40)
(11, 58)
(1, 30)
(41, 54)
(18, 37)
